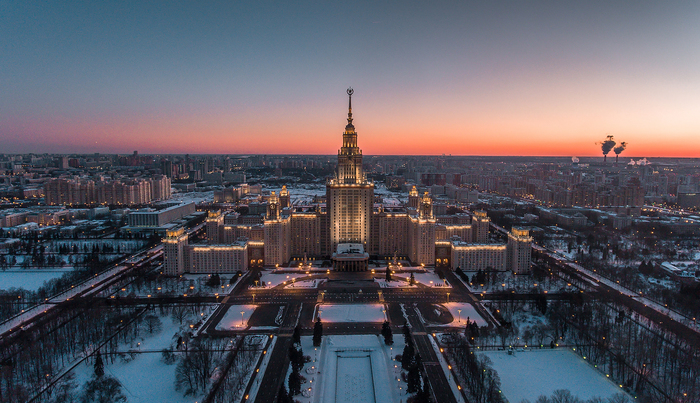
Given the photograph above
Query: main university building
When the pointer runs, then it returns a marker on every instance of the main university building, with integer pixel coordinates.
(349, 229)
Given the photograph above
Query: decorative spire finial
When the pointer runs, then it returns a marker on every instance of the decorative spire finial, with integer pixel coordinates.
(350, 91)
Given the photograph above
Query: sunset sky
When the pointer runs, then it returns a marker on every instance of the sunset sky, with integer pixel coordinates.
(441, 77)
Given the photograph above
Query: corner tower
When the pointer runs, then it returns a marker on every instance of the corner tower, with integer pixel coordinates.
(349, 195)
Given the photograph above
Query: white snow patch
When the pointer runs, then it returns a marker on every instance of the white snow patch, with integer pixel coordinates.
(233, 319)
(468, 311)
(274, 279)
(529, 374)
(30, 280)
(306, 283)
(429, 279)
(351, 313)
(145, 379)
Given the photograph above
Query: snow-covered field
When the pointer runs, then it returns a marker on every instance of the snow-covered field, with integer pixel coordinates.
(467, 311)
(529, 374)
(429, 279)
(351, 313)
(233, 319)
(30, 280)
(146, 378)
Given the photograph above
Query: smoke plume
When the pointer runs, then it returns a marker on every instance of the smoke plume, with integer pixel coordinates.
(620, 148)
(606, 146)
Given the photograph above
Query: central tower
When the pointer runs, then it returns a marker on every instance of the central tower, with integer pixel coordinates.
(350, 196)
(350, 155)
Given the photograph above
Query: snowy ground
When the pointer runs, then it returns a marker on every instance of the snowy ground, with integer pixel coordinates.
(197, 197)
(275, 279)
(529, 374)
(351, 313)
(467, 311)
(429, 279)
(30, 280)
(233, 319)
(396, 283)
(85, 288)
(352, 368)
(306, 283)
(146, 378)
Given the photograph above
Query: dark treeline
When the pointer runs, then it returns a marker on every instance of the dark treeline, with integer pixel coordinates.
(647, 360)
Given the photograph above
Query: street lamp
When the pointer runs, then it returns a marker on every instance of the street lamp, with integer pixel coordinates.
(242, 312)
(459, 311)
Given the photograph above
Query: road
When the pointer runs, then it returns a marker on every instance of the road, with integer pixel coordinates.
(279, 361)
(643, 306)
(436, 376)
(87, 288)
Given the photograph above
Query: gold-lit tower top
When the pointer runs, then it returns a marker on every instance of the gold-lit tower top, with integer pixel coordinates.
(350, 127)
(349, 155)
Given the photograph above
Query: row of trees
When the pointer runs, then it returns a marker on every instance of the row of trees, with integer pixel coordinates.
(297, 360)
(481, 382)
(412, 362)
(240, 360)
(634, 351)
(565, 396)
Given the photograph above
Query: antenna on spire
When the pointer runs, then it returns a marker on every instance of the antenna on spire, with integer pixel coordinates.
(350, 91)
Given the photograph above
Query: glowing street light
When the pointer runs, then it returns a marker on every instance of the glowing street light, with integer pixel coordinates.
(242, 312)
(459, 311)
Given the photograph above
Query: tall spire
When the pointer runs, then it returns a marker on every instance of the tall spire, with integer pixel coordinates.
(350, 92)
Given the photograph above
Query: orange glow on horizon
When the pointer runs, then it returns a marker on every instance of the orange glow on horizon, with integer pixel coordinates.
(380, 132)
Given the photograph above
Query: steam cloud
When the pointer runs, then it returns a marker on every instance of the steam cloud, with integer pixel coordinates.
(606, 146)
(620, 148)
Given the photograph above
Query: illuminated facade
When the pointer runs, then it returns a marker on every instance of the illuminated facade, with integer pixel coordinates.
(68, 192)
(421, 233)
(473, 257)
(277, 234)
(349, 195)
(175, 252)
(218, 258)
(519, 250)
(514, 256)
(348, 229)
(480, 227)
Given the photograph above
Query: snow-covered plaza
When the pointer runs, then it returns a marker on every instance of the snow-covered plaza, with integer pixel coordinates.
(335, 313)
(352, 369)
(236, 317)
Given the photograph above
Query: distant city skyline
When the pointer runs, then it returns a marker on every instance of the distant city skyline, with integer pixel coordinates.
(532, 79)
